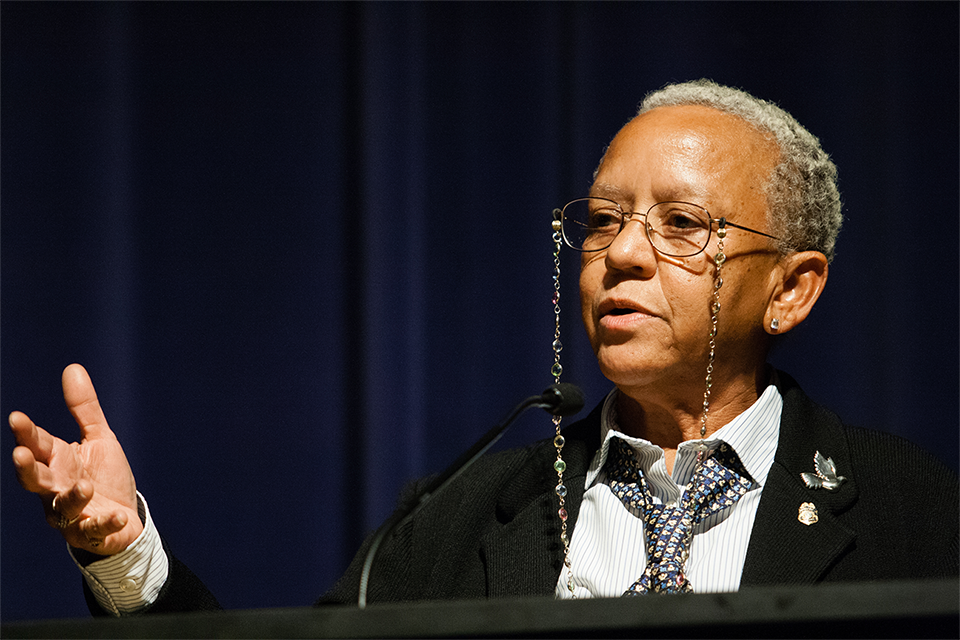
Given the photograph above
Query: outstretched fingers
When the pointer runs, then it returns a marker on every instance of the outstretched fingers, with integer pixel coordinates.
(86, 488)
(34, 477)
(32, 455)
(64, 496)
(81, 399)
(36, 440)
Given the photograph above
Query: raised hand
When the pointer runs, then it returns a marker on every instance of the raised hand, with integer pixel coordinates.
(87, 488)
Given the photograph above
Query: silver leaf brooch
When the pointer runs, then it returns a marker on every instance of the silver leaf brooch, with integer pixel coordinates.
(826, 476)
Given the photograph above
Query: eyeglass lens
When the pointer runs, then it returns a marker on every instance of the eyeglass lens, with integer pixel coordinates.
(674, 228)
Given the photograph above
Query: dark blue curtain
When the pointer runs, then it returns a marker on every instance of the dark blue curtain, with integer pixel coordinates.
(304, 249)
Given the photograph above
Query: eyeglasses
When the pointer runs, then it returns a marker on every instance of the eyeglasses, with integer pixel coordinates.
(678, 229)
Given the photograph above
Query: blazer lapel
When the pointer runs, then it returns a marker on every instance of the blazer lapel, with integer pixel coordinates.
(798, 533)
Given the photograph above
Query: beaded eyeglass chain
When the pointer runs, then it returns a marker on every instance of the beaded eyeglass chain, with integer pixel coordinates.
(557, 369)
(718, 259)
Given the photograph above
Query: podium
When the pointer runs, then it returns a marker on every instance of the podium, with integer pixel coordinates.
(928, 609)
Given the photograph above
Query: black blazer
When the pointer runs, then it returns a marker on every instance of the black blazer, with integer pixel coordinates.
(494, 532)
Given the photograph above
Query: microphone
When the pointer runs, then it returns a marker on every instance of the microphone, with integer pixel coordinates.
(562, 399)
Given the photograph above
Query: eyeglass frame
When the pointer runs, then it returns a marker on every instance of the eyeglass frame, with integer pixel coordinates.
(722, 223)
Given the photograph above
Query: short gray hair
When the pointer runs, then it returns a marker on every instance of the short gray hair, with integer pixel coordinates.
(802, 194)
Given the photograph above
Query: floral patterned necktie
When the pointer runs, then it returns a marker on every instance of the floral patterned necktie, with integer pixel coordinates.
(718, 482)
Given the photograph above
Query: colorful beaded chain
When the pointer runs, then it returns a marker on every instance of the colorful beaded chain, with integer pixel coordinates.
(559, 465)
(719, 259)
(556, 370)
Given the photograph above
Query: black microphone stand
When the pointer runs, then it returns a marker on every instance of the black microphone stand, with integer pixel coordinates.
(559, 399)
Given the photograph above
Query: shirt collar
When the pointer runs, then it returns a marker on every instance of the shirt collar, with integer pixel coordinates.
(753, 434)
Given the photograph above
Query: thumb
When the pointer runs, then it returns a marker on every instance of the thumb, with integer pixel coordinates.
(81, 399)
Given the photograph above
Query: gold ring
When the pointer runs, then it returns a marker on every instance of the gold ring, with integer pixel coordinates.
(62, 521)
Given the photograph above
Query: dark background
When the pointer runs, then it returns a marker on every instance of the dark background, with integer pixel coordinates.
(304, 249)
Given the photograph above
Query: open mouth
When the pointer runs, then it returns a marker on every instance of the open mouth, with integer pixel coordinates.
(622, 312)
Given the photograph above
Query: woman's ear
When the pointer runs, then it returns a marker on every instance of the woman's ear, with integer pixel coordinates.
(803, 276)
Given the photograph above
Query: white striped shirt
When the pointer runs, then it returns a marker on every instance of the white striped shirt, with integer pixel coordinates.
(131, 579)
(608, 550)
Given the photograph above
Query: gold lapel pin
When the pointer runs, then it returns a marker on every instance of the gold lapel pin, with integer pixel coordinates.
(808, 514)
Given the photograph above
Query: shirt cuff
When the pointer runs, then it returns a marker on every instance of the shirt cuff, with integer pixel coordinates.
(130, 580)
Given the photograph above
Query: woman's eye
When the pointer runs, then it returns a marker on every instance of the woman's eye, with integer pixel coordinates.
(678, 220)
(604, 218)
